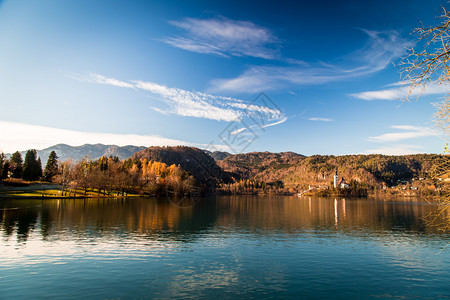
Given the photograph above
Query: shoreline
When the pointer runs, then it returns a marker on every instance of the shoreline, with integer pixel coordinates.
(45, 190)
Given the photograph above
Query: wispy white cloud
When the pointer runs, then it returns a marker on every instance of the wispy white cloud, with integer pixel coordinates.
(161, 111)
(194, 46)
(196, 104)
(406, 132)
(396, 149)
(390, 141)
(193, 104)
(110, 81)
(381, 48)
(321, 119)
(250, 128)
(400, 91)
(284, 119)
(238, 131)
(97, 78)
(224, 37)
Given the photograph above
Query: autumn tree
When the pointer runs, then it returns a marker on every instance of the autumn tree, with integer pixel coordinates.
(51, 168)
(428, 64)
(81, 174)
(65, 175)
(119, 179)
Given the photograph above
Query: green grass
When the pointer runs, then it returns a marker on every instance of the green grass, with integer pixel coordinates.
(58, 194)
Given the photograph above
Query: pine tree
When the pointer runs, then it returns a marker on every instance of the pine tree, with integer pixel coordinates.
(32, 169)
(39, 168)
(2, 164)
(5, 170)
(51, 168)
(16, 166)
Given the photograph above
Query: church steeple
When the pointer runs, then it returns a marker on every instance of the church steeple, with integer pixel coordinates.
(336, 179)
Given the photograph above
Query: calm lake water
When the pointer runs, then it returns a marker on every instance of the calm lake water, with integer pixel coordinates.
(238, 247)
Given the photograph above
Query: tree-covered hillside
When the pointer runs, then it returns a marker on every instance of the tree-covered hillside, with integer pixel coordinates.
(193, 160)
(298, 171)
(265, 171)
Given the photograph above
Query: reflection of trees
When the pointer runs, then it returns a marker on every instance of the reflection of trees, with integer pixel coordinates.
(158, 219)
(26, 222)
(142, 217)
(46, 223)
(292, 214)
(21, 221)
(103, 216)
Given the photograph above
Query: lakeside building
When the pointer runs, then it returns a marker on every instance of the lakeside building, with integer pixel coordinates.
(336, 180)
(343, 184)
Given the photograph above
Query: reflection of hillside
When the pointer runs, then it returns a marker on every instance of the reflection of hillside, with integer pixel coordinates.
(159, 219)
(293, 214)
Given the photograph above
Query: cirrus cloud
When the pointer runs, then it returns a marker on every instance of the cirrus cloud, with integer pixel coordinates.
(396, 149)
(400, 91)
(379, 51)
(197, 104)
(321, 119)
(392, 142)
(224, 37)
(405, 132)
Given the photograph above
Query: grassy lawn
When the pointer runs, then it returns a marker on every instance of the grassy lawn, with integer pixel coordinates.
(59, 194)
(17, 188)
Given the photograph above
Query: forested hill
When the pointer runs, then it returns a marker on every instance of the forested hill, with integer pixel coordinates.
(298, 171)
(292, 169)
(193, 160)
(249, 165)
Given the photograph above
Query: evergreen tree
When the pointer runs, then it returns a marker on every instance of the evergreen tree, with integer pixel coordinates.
(31, 167)
(16, 166)
(2, 164)
(39, 168)
(51, 168)
(5, 170)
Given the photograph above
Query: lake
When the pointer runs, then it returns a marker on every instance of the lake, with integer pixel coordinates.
(228, 247)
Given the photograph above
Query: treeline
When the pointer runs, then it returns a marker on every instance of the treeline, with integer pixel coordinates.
(107, 176)
(29, 169)
(104, 176)
(181, 169)
(354, 189)
(250, 187)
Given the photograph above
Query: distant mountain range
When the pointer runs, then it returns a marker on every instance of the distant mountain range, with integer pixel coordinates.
(77, 153)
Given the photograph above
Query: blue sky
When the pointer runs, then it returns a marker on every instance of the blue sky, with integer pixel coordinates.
(313, 77)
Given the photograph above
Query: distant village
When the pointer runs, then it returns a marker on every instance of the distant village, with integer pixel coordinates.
(409, 188)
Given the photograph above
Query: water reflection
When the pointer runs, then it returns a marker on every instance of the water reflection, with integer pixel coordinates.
(160, 219)
(233, 247)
